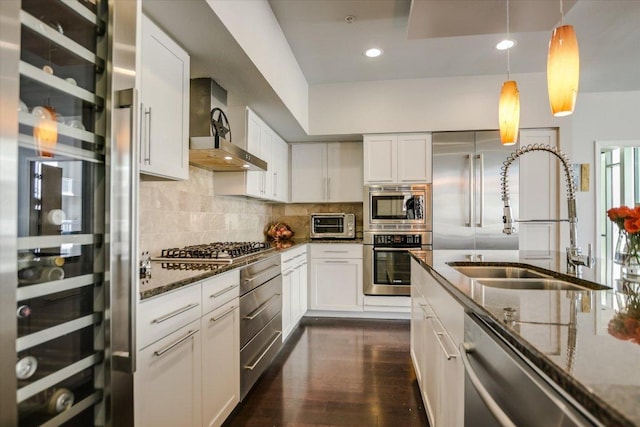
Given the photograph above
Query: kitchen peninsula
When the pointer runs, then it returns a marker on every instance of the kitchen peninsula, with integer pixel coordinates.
(562, 333)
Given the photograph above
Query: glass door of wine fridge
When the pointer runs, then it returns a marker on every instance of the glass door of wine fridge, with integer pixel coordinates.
(55, 192)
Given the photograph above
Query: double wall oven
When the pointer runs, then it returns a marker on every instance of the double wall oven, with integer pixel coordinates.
(397, 219)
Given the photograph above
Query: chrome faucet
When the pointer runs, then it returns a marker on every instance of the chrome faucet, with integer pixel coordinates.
(575, 258)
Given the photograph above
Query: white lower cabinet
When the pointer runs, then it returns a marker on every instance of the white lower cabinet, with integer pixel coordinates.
(435, 338)
(188, 367)
(220, 363)
(167, 383)
(294, 288)
(336, 277)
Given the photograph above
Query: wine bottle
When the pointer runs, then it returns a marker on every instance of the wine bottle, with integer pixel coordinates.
(31, 275)
(26, 367)
(26, 260)
(52, 402)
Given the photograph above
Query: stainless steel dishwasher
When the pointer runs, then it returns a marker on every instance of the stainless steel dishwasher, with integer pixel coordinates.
(502, 389)
(260, 319)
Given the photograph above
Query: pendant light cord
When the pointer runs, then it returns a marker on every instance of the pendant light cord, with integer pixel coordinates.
(508, 50)
(561, 14)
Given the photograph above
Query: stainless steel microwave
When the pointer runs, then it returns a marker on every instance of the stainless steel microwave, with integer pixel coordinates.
(333, 226)
(399, 207)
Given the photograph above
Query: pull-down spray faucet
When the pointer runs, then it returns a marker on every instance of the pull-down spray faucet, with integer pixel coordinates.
(575, 258)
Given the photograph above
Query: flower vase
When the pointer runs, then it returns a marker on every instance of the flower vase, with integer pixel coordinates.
(627, 256)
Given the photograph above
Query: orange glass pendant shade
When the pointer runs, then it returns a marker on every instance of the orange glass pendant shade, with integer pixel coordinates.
(563, 70)
(45, 131)
(509, 112)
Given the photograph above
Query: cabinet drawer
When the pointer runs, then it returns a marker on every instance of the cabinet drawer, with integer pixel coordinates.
(294, 257)
(336, 250)
(160, 316)
(219, 290)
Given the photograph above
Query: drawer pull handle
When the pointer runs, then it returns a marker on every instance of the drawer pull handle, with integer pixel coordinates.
(252, 367)
(288, 273)
(337, 262)
(216, 318)
(224, 291)
(336, 252)
(262, 273)
(174, 344)
(484, 394)
(448, 355)
(174, 313)
(261, 308)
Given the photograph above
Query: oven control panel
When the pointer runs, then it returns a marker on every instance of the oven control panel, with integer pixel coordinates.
(397, 240)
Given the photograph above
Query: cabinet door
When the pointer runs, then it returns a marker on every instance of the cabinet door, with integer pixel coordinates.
(417, 332)
(286, 303)
(220, 363)
(304, 294)
(266, 147)
(280, 175)
(164, 96)
(414, 158)
(380, 161)
(336, 284)
(344, 172)
(450, 383)
(167, 383)
(430, 375)
(254, 135)
(295, 296)
(538, 194)
(308, 172)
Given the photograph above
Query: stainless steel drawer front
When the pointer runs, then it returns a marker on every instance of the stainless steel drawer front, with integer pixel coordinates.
(258, 354)
(258, 307)
(494, 370)
(258, 273)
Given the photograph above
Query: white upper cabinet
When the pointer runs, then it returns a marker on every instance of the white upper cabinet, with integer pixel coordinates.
(164, 105)
(397, 159)
(326, 172)
(261, 141)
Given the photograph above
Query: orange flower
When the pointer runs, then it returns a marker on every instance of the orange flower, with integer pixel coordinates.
(632, 225)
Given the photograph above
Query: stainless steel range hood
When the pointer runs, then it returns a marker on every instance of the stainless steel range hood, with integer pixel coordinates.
(214, 153)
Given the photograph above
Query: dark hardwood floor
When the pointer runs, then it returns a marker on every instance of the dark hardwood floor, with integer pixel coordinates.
(337, 372)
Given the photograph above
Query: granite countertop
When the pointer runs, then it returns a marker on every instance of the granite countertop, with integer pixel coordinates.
(168, 276)
(597, 369)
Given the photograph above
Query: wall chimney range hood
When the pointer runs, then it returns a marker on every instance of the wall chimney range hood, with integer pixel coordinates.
(210, 145)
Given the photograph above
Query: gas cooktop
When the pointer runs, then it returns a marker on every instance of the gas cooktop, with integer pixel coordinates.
(213, 253)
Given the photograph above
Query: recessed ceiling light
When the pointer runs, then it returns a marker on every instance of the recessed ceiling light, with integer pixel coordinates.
(228, 158)
(373, 52)
(505, 44)
(246, 166)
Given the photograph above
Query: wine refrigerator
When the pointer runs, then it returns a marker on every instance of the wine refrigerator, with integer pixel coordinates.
(67, 181)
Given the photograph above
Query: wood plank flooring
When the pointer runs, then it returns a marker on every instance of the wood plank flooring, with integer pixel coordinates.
(337, 372)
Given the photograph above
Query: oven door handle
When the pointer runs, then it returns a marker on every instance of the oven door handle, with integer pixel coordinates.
(416, 248)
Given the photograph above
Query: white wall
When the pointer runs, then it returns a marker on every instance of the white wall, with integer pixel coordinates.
(451, 103)
(255, 28)
(604, 116)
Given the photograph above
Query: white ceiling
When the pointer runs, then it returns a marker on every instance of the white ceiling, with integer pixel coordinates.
(438, 38)
(330, 50)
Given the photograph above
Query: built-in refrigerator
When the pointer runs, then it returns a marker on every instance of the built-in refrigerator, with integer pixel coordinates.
(67, 221)
(467, 204)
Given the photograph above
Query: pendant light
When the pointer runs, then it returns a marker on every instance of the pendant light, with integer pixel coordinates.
(509, 105)
(563, 69)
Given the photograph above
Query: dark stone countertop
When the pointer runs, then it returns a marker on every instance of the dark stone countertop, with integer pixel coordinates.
(600, 371)
(168, 276)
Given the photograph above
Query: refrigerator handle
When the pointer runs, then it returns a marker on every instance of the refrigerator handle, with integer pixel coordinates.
(124, 237)
(480, 157)
(469, 222)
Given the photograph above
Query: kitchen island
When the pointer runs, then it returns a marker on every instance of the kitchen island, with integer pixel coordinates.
(564, 333)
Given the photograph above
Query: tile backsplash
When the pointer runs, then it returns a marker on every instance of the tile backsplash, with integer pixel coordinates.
(180, 213)
(297, 215)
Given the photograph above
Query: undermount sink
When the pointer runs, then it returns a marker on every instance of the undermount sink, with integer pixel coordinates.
(499, 272)
(532, 284)
(518, 277)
